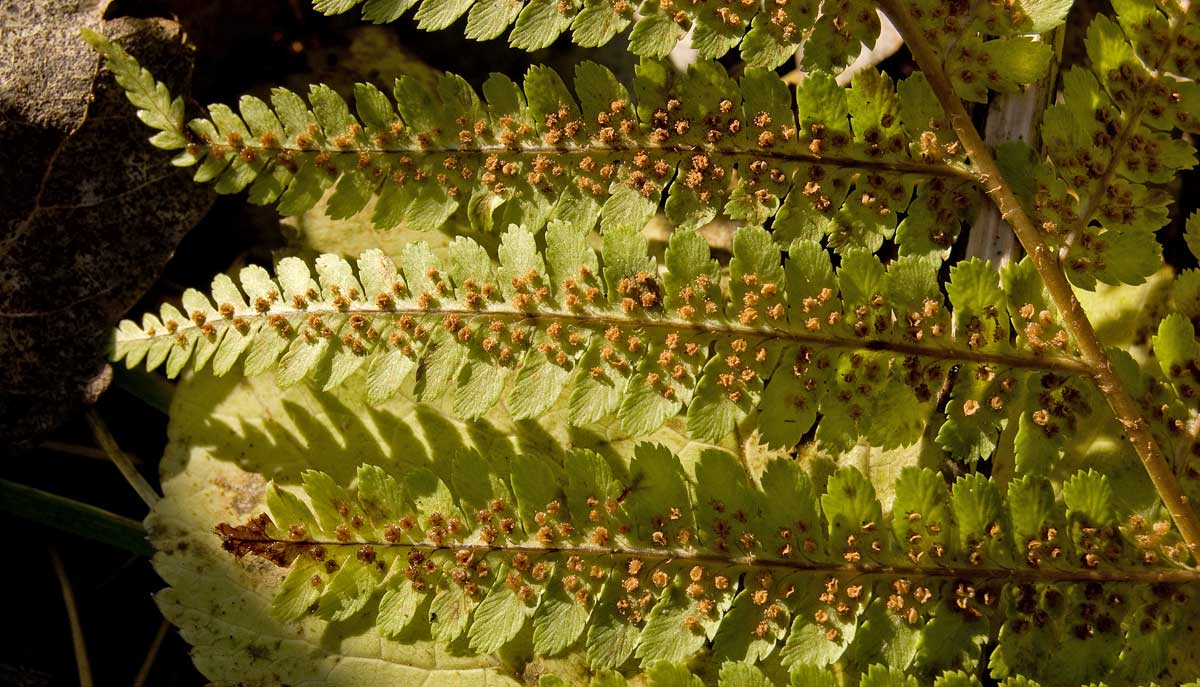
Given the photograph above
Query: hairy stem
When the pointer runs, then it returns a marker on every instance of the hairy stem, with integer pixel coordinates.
(1000, 191)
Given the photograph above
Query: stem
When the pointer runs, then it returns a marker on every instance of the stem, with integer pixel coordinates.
(151, 654)
(121, 460)
(74, 450)
(77, 643)
(1124, 407)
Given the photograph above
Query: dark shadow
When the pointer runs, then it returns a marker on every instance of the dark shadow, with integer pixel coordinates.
(303, 428)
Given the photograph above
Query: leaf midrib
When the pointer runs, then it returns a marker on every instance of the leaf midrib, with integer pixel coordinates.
(891, 166)
(600, 322)
(659, 556)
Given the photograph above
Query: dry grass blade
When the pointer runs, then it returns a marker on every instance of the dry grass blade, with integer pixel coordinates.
(121, 460)
(77, 641)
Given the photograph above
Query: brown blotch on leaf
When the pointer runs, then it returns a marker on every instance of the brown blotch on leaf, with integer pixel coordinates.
(252, 539)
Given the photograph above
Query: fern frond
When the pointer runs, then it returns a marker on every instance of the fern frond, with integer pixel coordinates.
(1115, 139)
(867, 347)
(830, 33)
(645, 562)
(849, 167)
(734, 674)
(1176, 348)
(156, 108)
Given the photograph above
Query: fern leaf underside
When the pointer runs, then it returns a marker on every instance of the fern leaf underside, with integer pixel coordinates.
(783, 341)
(650, 565)
(830, 34)
(1115, 141)
(860, 164)
(642, 563)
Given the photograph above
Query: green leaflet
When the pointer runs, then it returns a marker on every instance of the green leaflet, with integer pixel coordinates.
(697, 143)
(830, 33)
(615, 338)
(156, 108)
(1126, 109)
(651, 566)
(1192, 234)
(987, 47)
(976, 412)
(1178, 353)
